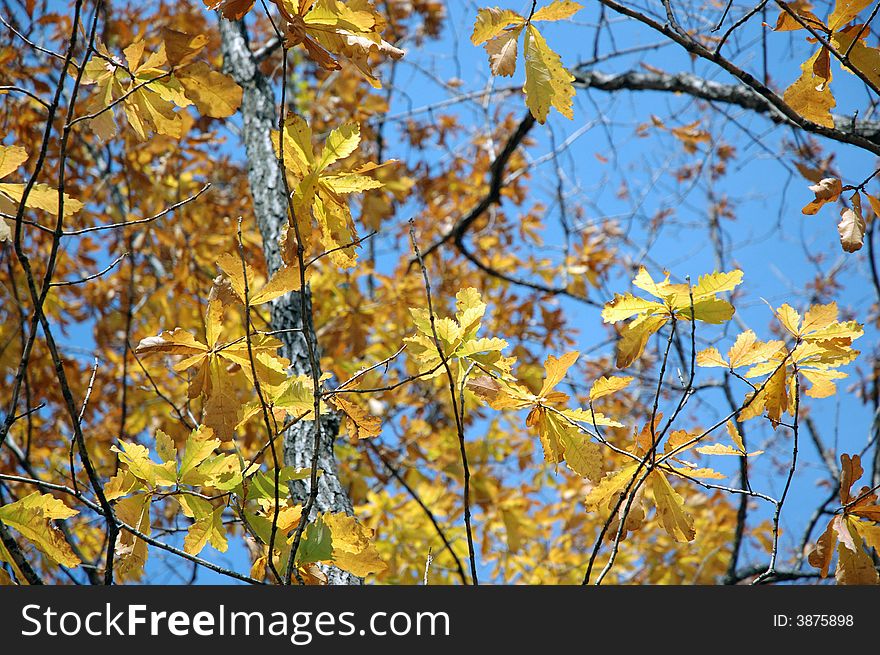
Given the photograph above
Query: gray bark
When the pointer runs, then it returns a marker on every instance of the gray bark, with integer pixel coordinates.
(259, 115)
(739, 95)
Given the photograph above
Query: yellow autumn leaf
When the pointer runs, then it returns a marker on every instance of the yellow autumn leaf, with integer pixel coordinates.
(736, 437)
(555, 370)
(177, 342)
(717, 449)
(121, 484)
(695, 472)
(710, 357)
(213, 93)
(212, 380)
(137, 460)
(588, 416)
(826, 190)
(786, 23)
(491, 21)
(747, 350)
(863, 58)
(200, 444)
(131, 550)
(712, 310)
(207, 526)
(361, 424)
(561, 438)
(32, 516)
(844, 12)
(231, 9)
(626, 305)
(713, 283)
(610, 486)
(854, 564)
(331, 29)
(557, 10)
(789, 318)
(550, 431)
(819, 317)
(855, 567)
(319, 192)
(582, 455)
(282, 282)
(662, 289)
(166, 449)
(41, 196)
(151, 88)
(775, 396)
(634, 337)
(822, 553)
(721, 449)
(810, 95)
(698, 302)
(353, 548)
(606, 386)
(11, 157)
(822, 382)
(820, 324)
(548, 84)
(181, 48)
(677, 522)
(502, 52)
(458, 340)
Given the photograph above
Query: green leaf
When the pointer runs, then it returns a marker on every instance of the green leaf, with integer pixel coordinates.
(316, 544)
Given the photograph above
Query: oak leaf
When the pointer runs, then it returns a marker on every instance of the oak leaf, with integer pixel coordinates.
(149, 87)
(853, 531)
(207, 526)
(41, 196)
(823, 345)
(561, 438)
(320, 192)
(32, 516)
(231, 9)
(131, 550)
(211, 380)
(282, 282)
(852, 226)
(353, 548)
(548, 84)
(331, 29)
(457, 339)
(360, 423)
(679, 301)
(810, 95)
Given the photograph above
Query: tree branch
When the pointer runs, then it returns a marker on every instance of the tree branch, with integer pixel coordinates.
(750, 81)
(845, 127)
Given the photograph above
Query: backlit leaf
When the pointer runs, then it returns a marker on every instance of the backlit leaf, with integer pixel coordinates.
(32, 516)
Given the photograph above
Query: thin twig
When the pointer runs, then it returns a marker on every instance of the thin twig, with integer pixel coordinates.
(458, 421)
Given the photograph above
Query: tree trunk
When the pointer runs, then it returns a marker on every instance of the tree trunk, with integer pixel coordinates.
(259, 118)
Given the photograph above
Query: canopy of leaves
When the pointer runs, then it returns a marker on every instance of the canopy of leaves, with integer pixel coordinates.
(305, 298)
